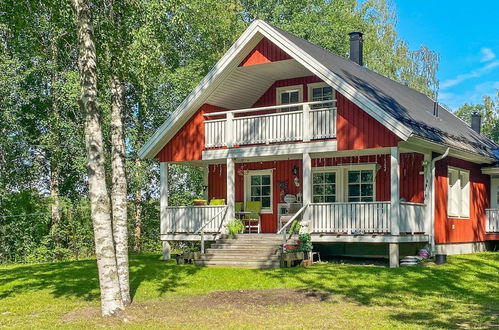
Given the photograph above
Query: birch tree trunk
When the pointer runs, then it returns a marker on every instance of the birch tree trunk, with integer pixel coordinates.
(119, 188)
(111, 301)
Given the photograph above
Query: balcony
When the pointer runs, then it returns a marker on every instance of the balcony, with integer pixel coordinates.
(276, 124)
(492, 221)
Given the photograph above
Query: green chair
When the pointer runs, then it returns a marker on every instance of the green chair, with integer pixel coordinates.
(239, 206)
(217, 201)
(252, 220)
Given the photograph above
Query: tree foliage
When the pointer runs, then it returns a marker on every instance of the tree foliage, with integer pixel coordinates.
(160, 50)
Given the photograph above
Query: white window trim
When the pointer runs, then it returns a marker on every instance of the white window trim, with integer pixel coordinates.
(247, 188)
(280, 90)
(342, 178)
(318, 85)
(467, 213)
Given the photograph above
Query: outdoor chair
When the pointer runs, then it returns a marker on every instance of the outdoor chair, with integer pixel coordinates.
(252, 220)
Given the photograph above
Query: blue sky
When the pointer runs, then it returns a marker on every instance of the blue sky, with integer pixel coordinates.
(465, 34)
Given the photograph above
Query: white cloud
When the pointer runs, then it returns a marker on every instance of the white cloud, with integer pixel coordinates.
(487, 54)
(472, 74)
(473, 96)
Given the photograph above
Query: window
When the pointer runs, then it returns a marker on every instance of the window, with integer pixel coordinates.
(361, 186)
(324, 187)
(458, 204)
(290, 95)
(320, 92)
(259, 188)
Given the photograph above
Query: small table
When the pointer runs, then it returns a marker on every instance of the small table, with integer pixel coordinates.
(240, 214)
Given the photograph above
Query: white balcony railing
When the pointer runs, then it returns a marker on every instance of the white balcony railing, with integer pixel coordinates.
(412, 217)
(189, 219)
(492, 221)
(350, 218)
(271, 124)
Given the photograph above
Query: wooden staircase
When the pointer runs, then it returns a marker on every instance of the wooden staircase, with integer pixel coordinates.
(245, 251)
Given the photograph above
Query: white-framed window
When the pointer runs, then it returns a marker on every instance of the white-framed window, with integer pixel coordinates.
(494, 193)
(361, 186)
(289, 95)
(344, 183)
(258, 187)
(324, 184)
(320, 92)
(458, 201)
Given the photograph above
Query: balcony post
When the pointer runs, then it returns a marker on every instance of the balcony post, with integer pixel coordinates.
(164, 192)
(307, 188)
(231, 191)
(229, 130)
(306, 123)
(394, 191)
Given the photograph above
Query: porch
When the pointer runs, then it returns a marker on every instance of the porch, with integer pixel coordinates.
(492, 224)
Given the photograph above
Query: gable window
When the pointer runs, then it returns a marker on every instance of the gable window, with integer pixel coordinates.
(458, 204)
(259, 188)
(320, 92)
(290, 95)
(360, 186)
(324, 187)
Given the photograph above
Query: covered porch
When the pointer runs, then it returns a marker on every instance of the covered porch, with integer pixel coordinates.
(340, 194)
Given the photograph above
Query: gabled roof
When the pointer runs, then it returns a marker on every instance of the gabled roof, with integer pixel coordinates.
(403, 110)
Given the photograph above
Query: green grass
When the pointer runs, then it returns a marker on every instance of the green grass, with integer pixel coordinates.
(462, 293)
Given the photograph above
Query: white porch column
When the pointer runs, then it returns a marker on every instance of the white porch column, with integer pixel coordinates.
(427, 192)
(393, 254)
(205, 182)
(163, 203)
(231, 190)
(306, 123)
(307, 187)
(229, 130)
(394, 192)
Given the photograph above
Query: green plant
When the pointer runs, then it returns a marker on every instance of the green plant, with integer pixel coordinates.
(295, 227)
(305, 243)
(235, 227)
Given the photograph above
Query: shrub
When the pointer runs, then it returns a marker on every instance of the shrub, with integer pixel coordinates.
(235, 227)
(305, 243)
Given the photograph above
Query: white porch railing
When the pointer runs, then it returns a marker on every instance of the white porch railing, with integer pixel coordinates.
(350, 218)
(271, 126)
(492, 220)
(189, 219)
(412, 217)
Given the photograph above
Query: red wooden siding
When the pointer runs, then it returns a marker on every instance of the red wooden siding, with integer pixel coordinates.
(188, 143)
(411, 177)
(465, 230)
(264, 52)
(355, 129)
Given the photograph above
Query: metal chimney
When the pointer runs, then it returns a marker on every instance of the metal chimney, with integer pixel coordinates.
(476, 122)
(356, 47)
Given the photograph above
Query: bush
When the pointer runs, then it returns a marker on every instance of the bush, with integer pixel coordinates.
(305, 243)
(235, 227)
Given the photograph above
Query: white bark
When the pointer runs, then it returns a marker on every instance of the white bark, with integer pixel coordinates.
(111, 301)
(119, 188)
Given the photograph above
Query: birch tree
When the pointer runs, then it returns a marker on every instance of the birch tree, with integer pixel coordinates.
(111, 300)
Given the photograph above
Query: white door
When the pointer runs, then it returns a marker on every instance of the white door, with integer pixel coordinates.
(494, 187)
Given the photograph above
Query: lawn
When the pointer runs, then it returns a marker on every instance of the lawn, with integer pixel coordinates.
(462, 293)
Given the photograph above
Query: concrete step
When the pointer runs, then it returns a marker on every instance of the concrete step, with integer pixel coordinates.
(244, 251)
(239, 264)
(234, 257)
(248, 246)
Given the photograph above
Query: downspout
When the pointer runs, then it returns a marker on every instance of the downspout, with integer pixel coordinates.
(432, 199)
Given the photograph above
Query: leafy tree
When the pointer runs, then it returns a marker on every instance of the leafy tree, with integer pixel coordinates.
(489, 110)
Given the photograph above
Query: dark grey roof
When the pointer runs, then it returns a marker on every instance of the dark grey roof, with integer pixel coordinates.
(407, 105)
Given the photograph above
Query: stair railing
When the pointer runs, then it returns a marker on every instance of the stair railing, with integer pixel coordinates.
(288, 224)
(201, 229)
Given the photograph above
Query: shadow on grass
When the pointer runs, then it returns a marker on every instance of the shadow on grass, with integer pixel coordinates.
(425, 296)
(79, 279)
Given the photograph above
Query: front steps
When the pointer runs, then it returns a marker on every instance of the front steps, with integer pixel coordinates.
(245, 251)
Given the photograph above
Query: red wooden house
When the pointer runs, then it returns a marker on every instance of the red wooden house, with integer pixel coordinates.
(369, 160)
